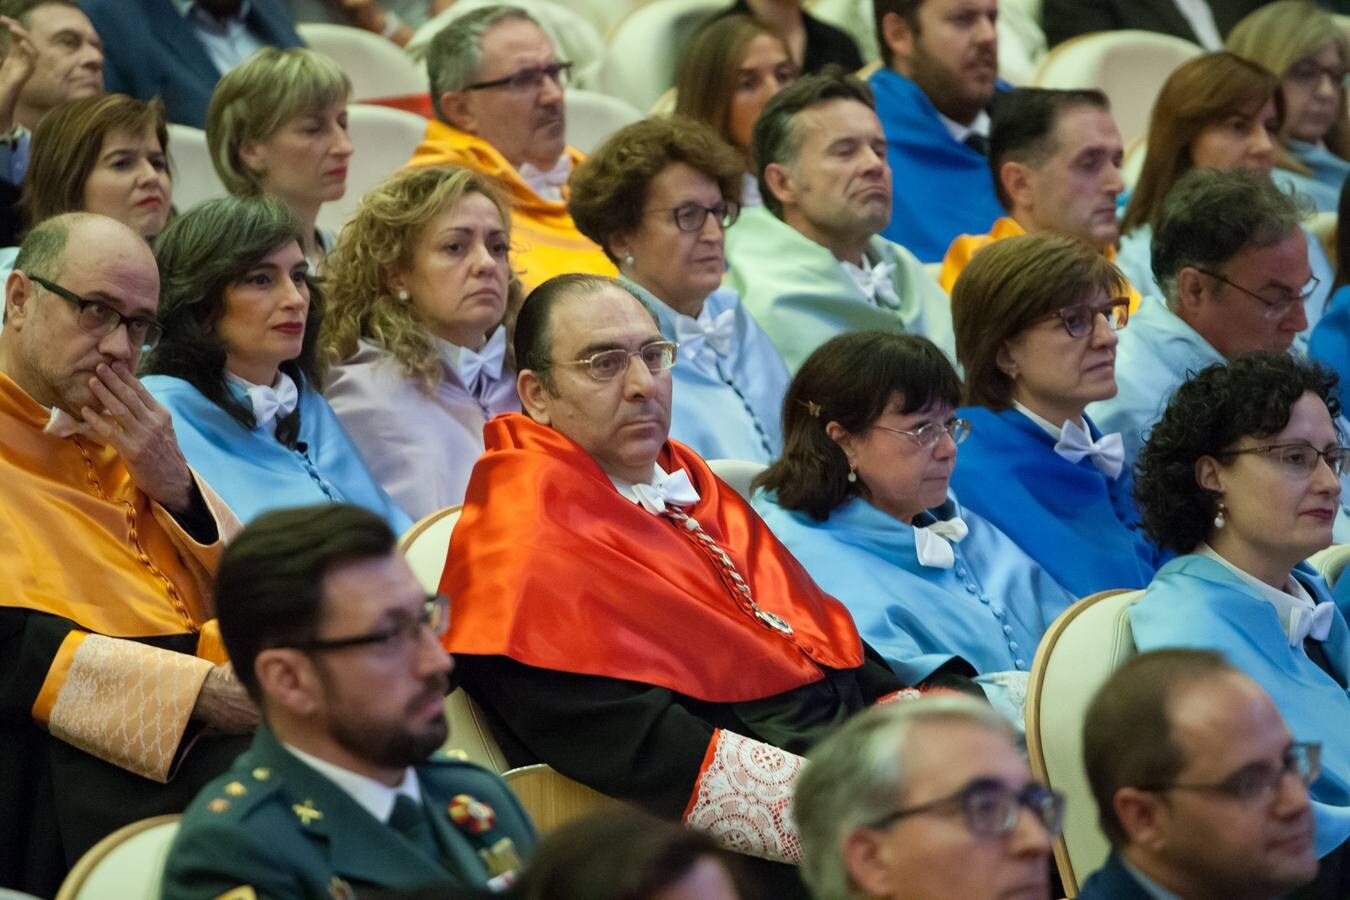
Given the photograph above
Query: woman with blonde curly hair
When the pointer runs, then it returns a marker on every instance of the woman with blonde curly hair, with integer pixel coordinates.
(421, 299)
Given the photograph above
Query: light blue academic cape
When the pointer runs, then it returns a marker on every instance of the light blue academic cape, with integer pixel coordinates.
(1197, 602)
(1323, 186)
(253, 472)
(990, 609)
(1330, 341)
(942, 187)
(1078, 524)
(801, 296)
(725, 408)
(1135, 259)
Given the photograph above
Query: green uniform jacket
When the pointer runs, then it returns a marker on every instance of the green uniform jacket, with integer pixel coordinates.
(277, 826)
(802, 297)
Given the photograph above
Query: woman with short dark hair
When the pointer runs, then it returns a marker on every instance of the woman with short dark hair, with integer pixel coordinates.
(860, 497)
(238, 363)
(1241, 476)
(1035, 319)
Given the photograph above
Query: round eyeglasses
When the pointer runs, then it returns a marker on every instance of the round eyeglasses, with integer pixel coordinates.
(1079, 319)
(658, 356)
(991, 808)
(927, 435)
(1298, 460)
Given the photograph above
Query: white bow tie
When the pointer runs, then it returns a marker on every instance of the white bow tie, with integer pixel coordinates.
(675, 490)
(547, 183)
(1107, 454)
(931, 542)
(875, 283)
(717, 333)
(63, 425)
(1314, 622)
(269, 402)
(477, 368)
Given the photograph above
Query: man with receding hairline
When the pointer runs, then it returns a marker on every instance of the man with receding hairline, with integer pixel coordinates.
(117, 691)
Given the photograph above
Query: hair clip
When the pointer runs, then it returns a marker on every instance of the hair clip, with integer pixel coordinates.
(812, 408)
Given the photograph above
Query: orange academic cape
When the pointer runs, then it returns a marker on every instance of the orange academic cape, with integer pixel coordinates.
(549, 565)
(544, 239)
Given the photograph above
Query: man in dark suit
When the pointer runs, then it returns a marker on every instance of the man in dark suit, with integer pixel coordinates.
(1201, 789)
(1203, 22)
(341, 791)
(178, 49)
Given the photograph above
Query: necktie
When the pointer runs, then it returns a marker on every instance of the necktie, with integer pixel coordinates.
(1314, 622)
(977, 142)
(676, 490)
(478, 369)
(1107, 454)
(548, 183)
(716, 333)
(933, 543)
(875, 283)
(63, 425)
(271, 402)
(410, 821)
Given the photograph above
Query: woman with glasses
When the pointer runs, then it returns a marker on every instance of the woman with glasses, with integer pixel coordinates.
(419, 309)
(860, 496)
(238, 363)
(1307, 48)
(1241, 476)
(658, 196)
(1036, 319)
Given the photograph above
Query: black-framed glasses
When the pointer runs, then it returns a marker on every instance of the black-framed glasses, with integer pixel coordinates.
(658, 356)
(928, 434)
(100, 319)
(1273, 309)
(399, 637)
(691, 216)
(1299, 460)
(1258, 782)
(991, 808)
(1079, 319)
(531, 79)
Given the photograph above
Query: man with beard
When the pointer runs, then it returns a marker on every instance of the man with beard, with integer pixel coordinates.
(178, 49)
(340, 792)
(940, 72)
(497, 85)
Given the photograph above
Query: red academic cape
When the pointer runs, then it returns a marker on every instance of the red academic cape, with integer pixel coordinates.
(549, 565)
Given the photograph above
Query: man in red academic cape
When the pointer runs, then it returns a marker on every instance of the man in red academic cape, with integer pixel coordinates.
(622, 614)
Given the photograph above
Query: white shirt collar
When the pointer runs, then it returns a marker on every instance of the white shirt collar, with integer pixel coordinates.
(960, 132)
(469, 363)
(1055, 431)
(190, 7)
(1294, 595)
(547, 183)
(372, 796)
(1152, 888)
(1201, 19)
(625, 488)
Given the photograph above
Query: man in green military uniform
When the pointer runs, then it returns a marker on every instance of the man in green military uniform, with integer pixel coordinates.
(340, 791)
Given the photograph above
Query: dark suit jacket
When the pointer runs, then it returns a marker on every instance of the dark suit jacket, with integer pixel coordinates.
(150, 50)
(1112, 882)
(1063, 19)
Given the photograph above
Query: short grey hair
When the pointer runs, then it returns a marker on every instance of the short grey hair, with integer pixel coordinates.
(456, 51)
(1209, 216)
(854, 777)
(43, 250)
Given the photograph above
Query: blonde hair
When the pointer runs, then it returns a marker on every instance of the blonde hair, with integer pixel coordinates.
(379, 241)
(252, 101)
(1280, 34)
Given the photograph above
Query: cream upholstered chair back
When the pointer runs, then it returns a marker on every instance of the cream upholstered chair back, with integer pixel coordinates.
(194, 178)
(1129, 66)
(383, 140)
(1331, 562)
(643, 48)
(737, 473)
(377, 67)
(592, 118)
(424, 547)
(1079, 651)
(127, 864)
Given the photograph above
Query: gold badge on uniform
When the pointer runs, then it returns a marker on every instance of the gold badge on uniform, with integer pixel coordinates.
(243, 892)
(262, 774)
(307, 812)
(340, 890)
(501, 858)
(218, 805)
(235, 789)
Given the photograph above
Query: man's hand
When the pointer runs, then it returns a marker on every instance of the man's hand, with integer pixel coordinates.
(141, 431)
(15, 70)
(224, 705)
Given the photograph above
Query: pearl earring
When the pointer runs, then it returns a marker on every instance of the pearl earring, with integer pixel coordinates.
(852, 474)
(403, 296)
(628, 259)
(1219, 520)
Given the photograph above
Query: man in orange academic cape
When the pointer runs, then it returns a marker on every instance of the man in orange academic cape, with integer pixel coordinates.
(625, 616)
(115, 701)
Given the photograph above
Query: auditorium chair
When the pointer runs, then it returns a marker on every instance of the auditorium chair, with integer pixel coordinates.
(1079, 651)
(737, 473)
(642, 50)
(383, 140)
(377, 67)
(1331, 562)
(127, 864)
(592, 117)
(194, 178)
(553, 799)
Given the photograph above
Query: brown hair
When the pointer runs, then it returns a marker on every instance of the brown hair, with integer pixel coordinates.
(609, 190)
(705, 78)
(1007, 287)
(67, 144)
(1202, 92)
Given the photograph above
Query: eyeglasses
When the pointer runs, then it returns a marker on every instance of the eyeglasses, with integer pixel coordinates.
(607, 365)
(1274, 309)
(101, 320)
(1259, 781)
(399, 637)
(691, 216)
(531, 79)
(1080, 318)
(1309, 72)
(927, 435)
(1298, 460)
(991, 808)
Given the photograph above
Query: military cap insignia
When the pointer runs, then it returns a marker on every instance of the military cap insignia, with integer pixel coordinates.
(307, 812)
(471, 815)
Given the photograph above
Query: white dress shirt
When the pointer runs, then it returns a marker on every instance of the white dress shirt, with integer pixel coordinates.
(228, 42)
(1201, 19)
(1294, 596)
(372, 796)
